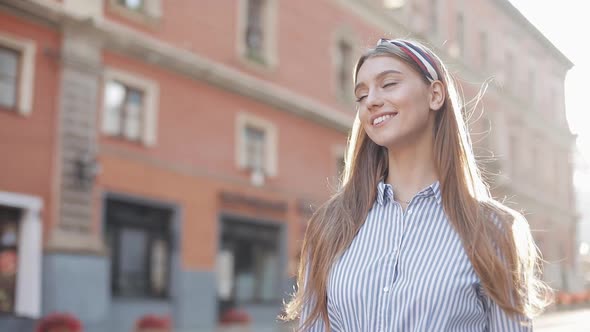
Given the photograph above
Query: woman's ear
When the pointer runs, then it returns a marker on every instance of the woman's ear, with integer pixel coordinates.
(437, 95)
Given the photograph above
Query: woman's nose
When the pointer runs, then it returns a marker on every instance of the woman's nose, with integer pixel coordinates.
(374, 99)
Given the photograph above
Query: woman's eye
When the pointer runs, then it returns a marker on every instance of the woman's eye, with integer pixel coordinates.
(359, 99)
(389, 84)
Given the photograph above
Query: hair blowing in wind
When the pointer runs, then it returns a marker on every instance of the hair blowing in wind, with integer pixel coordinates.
(496, 239)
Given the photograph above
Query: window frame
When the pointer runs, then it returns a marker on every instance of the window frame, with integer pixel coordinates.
(275, 248)
(25, 72)
(149, 116)
(18, 214)
(244, 120)
(150, 13)
(461, 35)
(268, 58)
(154, 230)
(347, 35)
(17, 79)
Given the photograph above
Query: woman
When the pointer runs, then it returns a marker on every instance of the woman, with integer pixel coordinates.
(412, 241)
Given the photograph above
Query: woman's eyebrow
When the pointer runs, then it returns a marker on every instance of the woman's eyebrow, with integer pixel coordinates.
(378, 76)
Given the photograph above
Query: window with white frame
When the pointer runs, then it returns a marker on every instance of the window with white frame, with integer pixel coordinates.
(17, 66)
(141, 10)
(256, 31)
(130, 106)
(344, 65)
(393, 4)
(9, 68)
(137, 5)
(256, 142)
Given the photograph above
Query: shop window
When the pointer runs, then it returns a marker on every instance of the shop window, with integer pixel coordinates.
(9, 222)
(139, 239)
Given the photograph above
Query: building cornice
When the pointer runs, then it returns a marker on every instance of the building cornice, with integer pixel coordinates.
(518, 17)
(119, 38)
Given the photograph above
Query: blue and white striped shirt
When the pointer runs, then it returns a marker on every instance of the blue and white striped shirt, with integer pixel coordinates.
(408, 271)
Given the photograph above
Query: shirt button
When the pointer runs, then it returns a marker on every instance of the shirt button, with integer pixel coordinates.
(409, 212)
(385, 289)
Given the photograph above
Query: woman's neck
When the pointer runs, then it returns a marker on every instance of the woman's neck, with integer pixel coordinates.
(411, 169)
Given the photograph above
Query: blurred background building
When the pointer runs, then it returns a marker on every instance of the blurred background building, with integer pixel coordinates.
(164, 156)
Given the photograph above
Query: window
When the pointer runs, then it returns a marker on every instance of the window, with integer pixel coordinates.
(256, 31)
(139, 239)
(345, 64)
(9, 221)
(130, 107)
(434, 17)
(17, 64)
(254, 276)
(137, 5)
(256, 142)
(143, 11)
(255, 147)
(461, 34)
(124, 108)
(532, 81)
(393, 4)
(483, 50)
(9, 63)
(509, 70)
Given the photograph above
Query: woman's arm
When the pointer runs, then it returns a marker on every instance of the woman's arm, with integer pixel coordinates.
(317, 326)
(500, 321)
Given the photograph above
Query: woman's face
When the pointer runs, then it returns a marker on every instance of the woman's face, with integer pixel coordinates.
(394, 102)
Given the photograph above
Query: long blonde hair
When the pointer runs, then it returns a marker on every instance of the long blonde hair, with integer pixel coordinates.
(496, 238)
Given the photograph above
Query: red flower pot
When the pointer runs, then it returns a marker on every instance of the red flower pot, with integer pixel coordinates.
(59, 322)
(235, 316)
(153, 323)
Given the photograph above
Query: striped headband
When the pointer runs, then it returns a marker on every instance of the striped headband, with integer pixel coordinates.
(424, 61)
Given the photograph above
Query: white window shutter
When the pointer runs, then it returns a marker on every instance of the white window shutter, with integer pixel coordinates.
(27, 83)
(272, 150)
(27, 48)
(151, 115)
(240, 142)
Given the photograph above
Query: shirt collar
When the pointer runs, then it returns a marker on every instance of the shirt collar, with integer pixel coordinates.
(385, 192)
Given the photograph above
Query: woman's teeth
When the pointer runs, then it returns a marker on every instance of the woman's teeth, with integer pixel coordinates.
(382, 118)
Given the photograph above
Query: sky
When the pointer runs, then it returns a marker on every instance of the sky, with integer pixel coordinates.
(565, 26)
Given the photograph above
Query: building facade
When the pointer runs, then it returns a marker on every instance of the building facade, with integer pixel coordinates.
(164, 156)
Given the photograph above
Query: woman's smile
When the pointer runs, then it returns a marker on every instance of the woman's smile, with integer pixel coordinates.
(381, 120)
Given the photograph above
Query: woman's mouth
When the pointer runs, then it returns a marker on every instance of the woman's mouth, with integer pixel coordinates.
(380, 121)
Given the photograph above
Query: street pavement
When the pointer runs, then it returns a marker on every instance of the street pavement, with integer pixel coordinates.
(564, 321)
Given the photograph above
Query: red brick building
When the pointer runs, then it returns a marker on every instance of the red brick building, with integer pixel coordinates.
(168, 152)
